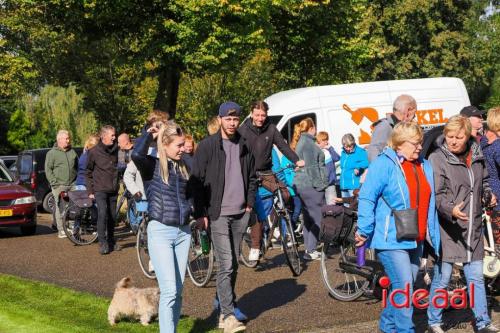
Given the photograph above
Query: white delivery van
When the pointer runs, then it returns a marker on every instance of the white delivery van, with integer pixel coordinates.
(353, 108)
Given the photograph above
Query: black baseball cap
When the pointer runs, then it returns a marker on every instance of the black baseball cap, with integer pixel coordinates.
(472, 111)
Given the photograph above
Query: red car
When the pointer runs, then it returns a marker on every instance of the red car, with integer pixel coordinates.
(17, 204)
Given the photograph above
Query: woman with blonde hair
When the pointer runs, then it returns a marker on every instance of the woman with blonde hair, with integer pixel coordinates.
(398, 181)
(461, 184)
(311, 182)
(169, 235)
(91, 141)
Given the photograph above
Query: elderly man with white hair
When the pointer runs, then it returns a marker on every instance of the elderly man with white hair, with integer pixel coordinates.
(61, 168)
(404, 109)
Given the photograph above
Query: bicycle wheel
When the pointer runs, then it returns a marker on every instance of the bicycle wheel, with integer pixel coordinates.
(341, 285)
(141, 246)
(200, 266)
(289, 245)
(80, 224)
(245, 247)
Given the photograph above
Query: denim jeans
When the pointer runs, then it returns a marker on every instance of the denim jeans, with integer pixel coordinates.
(401, 266)
(262, 208)
(227, 233)
(169, 248)
(297, 208)
(474, 275)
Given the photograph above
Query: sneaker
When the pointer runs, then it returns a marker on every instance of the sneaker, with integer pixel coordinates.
(61, 234)
(232, 325)
(435, 329)
(254, 255)
(103, 249)
(114, 247)
(276, 233)
(314, 255)
(150, 266)
(240, 315)
(488, 329)
(221, 322)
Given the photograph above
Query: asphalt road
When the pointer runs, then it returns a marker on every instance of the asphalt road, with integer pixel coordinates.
(273, 299)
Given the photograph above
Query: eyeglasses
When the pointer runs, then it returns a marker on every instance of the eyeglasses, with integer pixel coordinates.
(415, 144)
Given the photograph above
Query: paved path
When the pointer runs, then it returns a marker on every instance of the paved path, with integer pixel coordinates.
(273, 299)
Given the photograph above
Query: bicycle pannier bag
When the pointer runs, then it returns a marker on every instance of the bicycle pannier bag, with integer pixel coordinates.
(332, 220)
(270, 183)
(80, 198)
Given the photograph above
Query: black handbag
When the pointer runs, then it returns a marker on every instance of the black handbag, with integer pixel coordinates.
(406, 220)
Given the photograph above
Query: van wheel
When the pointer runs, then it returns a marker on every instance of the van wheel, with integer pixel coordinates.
(48, 202)
(28, 230)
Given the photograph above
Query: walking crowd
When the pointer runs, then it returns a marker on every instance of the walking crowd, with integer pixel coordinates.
(408, 205)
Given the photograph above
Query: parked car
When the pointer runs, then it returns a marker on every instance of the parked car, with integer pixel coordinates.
(17, 204)
(31, 170)
(9, 160)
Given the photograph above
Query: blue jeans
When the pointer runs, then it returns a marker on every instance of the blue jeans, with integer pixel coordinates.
(262, 209)
(169, 248)
(401, 266)
(297, 208)
(473, 274)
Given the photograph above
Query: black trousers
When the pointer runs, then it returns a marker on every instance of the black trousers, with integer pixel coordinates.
(106, 207)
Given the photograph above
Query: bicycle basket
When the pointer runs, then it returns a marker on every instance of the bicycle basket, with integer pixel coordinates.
(272, 184)
(80, 199)
(337, 223)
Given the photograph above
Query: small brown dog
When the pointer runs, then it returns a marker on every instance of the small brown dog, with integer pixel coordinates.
(133, 303)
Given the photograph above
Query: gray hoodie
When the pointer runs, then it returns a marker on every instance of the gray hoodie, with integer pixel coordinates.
(381, 133)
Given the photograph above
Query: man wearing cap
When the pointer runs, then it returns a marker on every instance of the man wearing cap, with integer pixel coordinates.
(476, 120)
(223, 185)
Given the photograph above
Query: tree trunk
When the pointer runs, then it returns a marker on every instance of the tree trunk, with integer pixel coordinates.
(168, 88)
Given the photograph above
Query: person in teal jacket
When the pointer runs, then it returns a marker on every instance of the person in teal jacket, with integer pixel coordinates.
(353, 162)
(394, 176)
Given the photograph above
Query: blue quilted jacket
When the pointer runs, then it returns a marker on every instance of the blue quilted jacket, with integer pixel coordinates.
(167, 203)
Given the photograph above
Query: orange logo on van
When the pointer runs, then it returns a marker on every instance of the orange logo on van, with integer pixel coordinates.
(424, 117)
(429, 117)
(357, 117)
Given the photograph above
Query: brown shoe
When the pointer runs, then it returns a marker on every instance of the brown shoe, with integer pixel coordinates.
(232, 325)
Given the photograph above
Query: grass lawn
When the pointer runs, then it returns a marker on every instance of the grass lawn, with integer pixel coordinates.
(34, 307)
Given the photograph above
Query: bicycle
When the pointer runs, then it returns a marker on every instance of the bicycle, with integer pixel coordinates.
(200, 264)
(279, 218)
(79, 217)
(141, 246)
(343, 278)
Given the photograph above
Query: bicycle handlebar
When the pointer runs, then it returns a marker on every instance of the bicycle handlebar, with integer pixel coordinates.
(270, 172)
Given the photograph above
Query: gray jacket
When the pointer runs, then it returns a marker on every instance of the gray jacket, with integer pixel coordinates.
(133, 180)
(381, 133)
(313, 174)
(461, 241)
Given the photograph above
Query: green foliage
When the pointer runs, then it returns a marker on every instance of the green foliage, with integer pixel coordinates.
(38, 118)
(200, 97)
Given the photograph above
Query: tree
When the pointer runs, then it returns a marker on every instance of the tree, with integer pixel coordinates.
(38, 118)
(426, 38)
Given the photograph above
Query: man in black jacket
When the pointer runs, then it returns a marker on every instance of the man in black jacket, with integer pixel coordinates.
(261, 135)
(223, 186)
(102, 184)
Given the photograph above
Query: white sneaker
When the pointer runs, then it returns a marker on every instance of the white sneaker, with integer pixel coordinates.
(150, 267)
(314, 255)
(61, 234)
(232, 325)
(276, 233)
(254, 255)
(221, 321)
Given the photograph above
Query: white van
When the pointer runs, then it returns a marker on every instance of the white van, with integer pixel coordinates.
(353, 108)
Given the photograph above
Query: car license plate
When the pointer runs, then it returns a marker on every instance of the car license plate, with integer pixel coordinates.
(5, 212)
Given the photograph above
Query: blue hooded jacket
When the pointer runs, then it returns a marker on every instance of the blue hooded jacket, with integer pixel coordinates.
(358, 159)
(375, 219)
